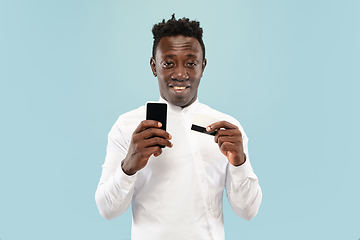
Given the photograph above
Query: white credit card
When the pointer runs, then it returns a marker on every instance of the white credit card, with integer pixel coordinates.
(200, 123)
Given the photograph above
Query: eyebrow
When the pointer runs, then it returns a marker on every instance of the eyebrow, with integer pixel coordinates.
(169, 55)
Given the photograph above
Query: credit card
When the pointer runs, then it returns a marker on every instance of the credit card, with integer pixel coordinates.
(200, 123)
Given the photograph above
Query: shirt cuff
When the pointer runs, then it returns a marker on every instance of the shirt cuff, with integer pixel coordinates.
(123, 181)
(239, 173)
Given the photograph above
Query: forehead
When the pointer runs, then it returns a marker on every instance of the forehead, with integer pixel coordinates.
(178, 45)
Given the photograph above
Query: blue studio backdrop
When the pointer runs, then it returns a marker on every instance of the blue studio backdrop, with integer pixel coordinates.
(287, 70)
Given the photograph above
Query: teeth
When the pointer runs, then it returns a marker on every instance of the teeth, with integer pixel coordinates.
(179, 88)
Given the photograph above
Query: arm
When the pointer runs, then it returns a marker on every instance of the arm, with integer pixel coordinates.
(115, 189)
(113, 197)
(242, 188)
(123, 159)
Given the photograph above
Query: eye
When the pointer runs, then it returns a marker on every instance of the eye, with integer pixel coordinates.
(191, 64)
(168, 64)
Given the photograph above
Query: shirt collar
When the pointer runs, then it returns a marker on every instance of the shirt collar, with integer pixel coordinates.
(178, 109)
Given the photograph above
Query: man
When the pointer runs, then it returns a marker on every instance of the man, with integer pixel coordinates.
(177, 191)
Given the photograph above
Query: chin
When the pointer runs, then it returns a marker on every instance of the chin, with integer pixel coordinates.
(179, 103)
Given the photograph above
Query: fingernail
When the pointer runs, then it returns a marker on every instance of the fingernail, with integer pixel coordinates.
(208, 129)
(170, 137)
(159, 124)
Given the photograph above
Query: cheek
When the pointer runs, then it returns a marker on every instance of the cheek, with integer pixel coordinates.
(162, 84)
(198, 72)
(197, 77)
(163, 73)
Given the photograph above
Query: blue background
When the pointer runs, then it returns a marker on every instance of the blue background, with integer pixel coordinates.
(287, 70)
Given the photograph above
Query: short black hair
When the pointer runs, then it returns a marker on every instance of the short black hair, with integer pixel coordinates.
(173, 27)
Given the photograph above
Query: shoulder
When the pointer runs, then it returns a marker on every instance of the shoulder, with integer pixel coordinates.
(127, 122)
(132, 115)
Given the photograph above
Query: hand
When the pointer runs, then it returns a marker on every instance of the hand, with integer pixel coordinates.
(229, 139)
(145, 141)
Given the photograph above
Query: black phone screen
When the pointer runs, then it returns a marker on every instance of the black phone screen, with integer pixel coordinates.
(157, 112)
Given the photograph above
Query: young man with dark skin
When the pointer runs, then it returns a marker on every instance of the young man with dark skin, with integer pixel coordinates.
(179, 66)
(147, 174)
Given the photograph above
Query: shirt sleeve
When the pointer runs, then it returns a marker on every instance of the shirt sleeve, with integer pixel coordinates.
(115, 189)
(242, 188)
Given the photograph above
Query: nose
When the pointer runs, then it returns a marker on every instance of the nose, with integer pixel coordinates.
(180, 74)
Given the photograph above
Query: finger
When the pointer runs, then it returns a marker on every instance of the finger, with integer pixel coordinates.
(157, 141)
(231, 139)
(230, 144)
(154, 132)
(145, 124)
(228, 132)
(229, 147)
(156, 150)
(146, 153)
(221, 124)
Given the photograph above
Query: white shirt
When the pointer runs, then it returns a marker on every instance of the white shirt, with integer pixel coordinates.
(178, 195)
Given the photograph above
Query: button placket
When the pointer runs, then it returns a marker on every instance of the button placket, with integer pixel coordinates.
(203, 183)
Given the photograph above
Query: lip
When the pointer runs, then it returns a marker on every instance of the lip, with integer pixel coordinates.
(179, 89)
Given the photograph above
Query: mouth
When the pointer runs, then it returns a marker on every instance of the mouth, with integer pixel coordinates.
(179, 89)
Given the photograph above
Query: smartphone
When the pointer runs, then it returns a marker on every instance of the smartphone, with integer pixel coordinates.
(157, 112)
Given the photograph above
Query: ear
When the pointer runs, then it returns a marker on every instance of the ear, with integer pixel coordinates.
(153, 66)
(203, 65)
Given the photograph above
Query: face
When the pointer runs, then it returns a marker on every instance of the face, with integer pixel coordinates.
(179, 66)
